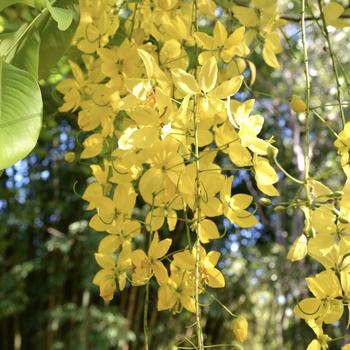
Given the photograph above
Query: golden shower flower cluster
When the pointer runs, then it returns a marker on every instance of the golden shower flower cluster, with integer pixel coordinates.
(156, 104)
(326, 239)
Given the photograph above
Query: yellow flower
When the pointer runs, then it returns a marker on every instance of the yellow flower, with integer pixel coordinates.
(343, 146)
(235, 206)
(112, 267)
(324, 306)
(146, 265)
(321, 343)
(176, 293)
(207, 79)
(186, 261)
(221, 44)
(158, 184)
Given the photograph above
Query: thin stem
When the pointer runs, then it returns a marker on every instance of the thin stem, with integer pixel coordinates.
(285, 172)
(326, 124)
(233, 346)
(133, 19)
(334, 65)
(344, 103)
(221, 304)
(146, 305)
(197, 212)
(145, 318)
(290, 47)
(307, 101)
(307, 18)
(347, 83)
(188, 233)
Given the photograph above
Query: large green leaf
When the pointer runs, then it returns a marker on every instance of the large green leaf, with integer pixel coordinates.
(20, 114)
(27, 54)
(10, 41)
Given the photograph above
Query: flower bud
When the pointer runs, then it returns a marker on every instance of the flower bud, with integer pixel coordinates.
(297, 104)
(279, 208)
(265, 201)
(240, 328)
(69, 157)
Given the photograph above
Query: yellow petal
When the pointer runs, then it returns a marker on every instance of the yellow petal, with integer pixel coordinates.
(208, 231)
(265, 174)
(171, 49)
(270, 190)
(109, 244)
(309, 308)
(241, 201)
(239, 155)
(203, 40)
(188, 303)
(106, 261)
(314, 345)
(211, 259)
(227, 88)
(151, 184)
(215, 278)
(184, 260)
(185, 82)
(219, 34)
(246, 16)
(269, 56)
(148, 61)
(298, 250)
(332, 11)
(157, 248)
(166, 298)
(252, 72)
(208, 75)
(139, 257)
(103, 275)
(160, 272)
(334, 312)
(92, 146)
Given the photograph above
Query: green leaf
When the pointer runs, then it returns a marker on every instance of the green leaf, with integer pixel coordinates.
(54, 43)
(63, 17)
(33, 3)
(20, 114)
(27, 54)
